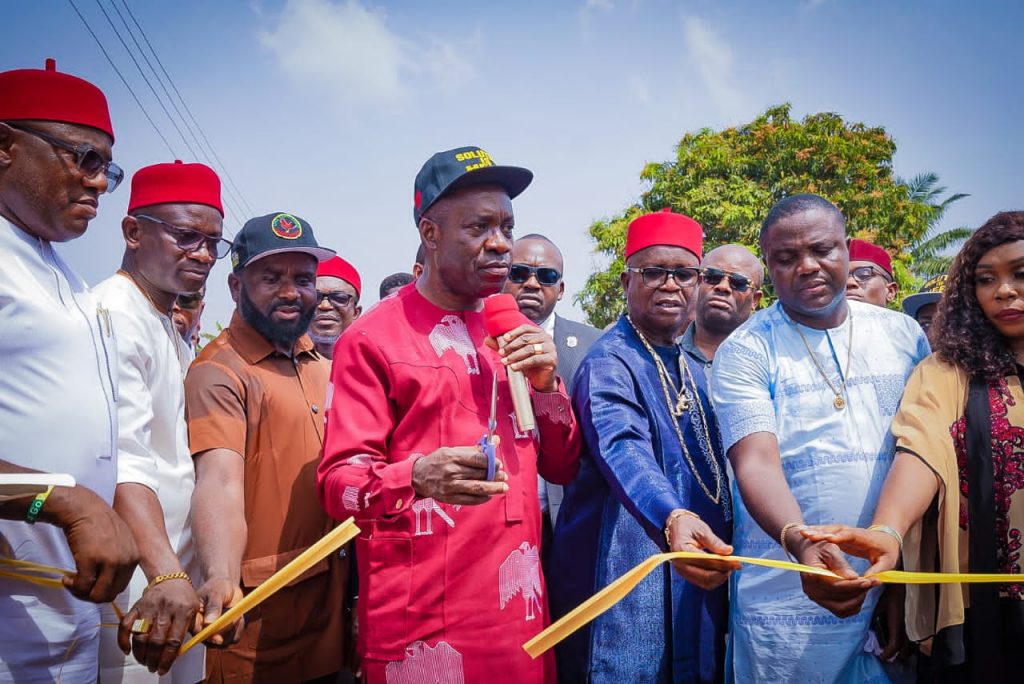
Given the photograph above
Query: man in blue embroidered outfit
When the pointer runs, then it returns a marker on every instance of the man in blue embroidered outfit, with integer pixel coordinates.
(651, 477)
(805, 392)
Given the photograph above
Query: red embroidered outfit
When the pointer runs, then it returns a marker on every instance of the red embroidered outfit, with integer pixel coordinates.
(447, 593)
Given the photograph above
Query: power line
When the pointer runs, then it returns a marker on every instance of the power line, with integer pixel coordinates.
(202, 133)
(123, 80)
(236, 200)
(146, 79)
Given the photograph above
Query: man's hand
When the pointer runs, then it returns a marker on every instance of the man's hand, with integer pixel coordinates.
(458, 475)
(531, 350)
(890, 613)
(690, 533)
(102, 545)
(878, 547)
(216, 596)
(170, 609)
(842, 597)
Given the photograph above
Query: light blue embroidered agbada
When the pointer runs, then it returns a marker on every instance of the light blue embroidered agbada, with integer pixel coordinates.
(835, 462)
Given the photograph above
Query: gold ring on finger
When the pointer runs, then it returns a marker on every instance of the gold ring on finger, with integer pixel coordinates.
(538, 347)
(140, 626)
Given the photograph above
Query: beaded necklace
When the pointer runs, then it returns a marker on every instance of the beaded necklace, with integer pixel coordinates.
(681, 405)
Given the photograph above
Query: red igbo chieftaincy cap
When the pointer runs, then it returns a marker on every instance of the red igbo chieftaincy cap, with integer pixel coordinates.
(664, 228)
(862, 250)
(49, 95)
(175, 183)
(339, 268)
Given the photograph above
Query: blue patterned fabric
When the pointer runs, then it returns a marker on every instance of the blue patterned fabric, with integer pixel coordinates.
(835, 463)
(632, 475)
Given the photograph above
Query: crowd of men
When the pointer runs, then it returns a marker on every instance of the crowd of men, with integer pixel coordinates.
(200, 475)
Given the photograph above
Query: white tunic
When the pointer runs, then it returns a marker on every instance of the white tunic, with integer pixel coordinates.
(152, 450)
(58, 388)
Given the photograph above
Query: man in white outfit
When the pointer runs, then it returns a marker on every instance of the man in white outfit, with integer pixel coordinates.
(58, 378)
(172, 237)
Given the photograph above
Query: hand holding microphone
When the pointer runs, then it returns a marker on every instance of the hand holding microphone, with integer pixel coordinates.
(527, 351)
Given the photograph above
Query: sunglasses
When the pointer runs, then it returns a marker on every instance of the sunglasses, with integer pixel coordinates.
(338, 299)
(737, 281)
(520, 273)
(87, 158)
(863, 274)
(190, 302)
(655, 276)
(189, 240)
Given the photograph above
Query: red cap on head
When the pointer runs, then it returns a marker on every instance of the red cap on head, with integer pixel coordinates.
(49, 95)
(339, 268)
(175, 183)
(664, 228)
(862, 250)
(501, 314)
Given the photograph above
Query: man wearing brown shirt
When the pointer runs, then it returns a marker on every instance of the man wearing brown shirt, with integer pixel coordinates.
(254, 400)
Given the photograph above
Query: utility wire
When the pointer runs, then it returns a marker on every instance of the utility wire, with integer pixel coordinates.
(123, 80)
(229, 195)
(213, 150)
(146, 79)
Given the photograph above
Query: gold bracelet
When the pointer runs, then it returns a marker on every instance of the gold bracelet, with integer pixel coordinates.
(169, 576)
(885, 529)
(782, 537)
(678, 513)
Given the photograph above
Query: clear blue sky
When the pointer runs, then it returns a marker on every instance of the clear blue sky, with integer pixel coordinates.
(327, 108)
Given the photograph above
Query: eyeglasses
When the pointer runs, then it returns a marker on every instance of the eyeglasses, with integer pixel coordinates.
(655, 276)
(338, 299)
(520, 273)
(87, 158)
(737, 281)
(189, 240)
(190, 302)
(863, 274)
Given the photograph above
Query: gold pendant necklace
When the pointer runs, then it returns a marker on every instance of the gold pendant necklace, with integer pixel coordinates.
(682, 405)
(839, 402)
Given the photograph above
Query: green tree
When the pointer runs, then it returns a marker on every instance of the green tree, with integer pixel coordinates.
(729, 179)
(930, 255)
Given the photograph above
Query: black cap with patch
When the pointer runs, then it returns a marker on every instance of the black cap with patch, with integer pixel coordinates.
(460, 167)
(274, 234)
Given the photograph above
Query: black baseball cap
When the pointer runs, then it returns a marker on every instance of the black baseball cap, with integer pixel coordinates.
(930, 293)
(459, 168)
(274, 234)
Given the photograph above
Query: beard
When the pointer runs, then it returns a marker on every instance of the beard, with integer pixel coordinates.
(283, 334)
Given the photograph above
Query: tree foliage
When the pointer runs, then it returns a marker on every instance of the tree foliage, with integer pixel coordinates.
(729, 179)
(932, 253)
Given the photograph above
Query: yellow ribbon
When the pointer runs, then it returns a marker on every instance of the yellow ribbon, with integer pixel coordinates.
(49, 576)
(330, 543)
(617, 590)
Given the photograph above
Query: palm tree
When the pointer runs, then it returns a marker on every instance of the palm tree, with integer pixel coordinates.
(930, 255)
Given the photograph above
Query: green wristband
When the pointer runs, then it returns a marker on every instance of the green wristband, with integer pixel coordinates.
(37, 505)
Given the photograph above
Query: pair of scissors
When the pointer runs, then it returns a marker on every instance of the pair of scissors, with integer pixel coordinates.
(487, 442)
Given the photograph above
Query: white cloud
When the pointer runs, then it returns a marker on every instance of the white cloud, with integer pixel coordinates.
(640, 89)
(713, 58)
(589, 8)
(348, 49)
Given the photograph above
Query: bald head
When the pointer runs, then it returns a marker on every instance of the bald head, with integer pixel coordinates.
(535, 278)
(736, 258)
(728, 292)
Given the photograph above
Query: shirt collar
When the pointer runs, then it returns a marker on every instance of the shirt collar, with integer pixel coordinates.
(548, 324)
(254, 347)
(690, 346)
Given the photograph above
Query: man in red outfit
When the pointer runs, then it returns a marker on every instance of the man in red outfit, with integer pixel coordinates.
(449, 565)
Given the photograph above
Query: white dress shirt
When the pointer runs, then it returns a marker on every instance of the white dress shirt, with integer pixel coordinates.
(58, 388)
(152, 450)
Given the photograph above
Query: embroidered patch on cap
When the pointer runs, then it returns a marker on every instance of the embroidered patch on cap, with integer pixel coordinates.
(286, 226)
(474, 159)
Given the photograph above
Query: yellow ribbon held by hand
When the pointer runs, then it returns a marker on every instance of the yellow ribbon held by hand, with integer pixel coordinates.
(329, 544)
(620, 588)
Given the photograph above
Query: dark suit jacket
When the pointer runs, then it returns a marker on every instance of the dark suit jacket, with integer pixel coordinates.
(572, 340)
